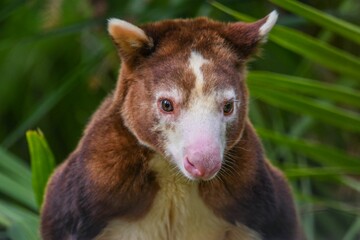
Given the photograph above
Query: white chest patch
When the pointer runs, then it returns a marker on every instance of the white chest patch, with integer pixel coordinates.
(178, 213)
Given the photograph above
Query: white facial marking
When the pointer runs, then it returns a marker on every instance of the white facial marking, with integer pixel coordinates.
(268, 25)
(200, 123)
(228, 94)
(194, 136)
(195, 63)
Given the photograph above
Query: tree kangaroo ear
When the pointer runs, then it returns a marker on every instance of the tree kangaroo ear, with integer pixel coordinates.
(246, 37)
(131, 41)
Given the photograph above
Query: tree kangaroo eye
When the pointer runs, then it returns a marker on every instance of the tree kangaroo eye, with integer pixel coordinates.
(228, 108)
(166, 105)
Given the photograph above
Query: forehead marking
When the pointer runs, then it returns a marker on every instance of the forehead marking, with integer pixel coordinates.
(229, 94)
(196, 61)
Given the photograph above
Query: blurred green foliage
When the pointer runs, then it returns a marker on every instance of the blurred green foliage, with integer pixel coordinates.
(57, 63)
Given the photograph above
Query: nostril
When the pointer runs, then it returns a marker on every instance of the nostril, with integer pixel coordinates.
(187, 159)
(192, 169)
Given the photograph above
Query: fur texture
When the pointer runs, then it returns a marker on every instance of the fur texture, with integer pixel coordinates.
(171, 154)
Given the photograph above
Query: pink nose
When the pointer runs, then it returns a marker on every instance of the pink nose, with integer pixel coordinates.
(202, 161)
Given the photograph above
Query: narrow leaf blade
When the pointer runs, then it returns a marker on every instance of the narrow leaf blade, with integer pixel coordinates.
(14, 168)
(288, 83)
(42, 163)
(301, 104)
(322, 154)
(329, 22)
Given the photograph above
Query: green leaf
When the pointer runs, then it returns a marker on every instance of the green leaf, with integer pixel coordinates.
(22, 223)
(353, 231)
(17, 192)
(14, 168)
(303, 105)
(4, 221)
(42, 163)
(231, 12)
(317, 51)
(329, 203)
(339, 26)
(306, 46)
(320, 171)
(287, 83)
(328, 156)
(351, 183)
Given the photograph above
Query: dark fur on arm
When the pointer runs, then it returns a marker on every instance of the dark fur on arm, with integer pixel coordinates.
(99, 181)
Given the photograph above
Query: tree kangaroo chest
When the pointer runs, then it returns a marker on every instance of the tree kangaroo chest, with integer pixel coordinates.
(177, 213)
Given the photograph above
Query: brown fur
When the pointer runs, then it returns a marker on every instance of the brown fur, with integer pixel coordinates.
(108, 176)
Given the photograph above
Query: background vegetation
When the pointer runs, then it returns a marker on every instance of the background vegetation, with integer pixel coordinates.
(57, 64)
